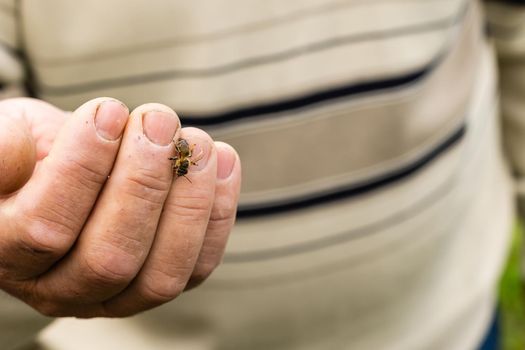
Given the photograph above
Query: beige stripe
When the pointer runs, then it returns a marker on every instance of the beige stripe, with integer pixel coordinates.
(340, 144)
(345, 216)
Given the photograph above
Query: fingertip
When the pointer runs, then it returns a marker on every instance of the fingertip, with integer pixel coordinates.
(91, 106)
(107, 115)
(149, 107)
(159, 123)
(110, 120)
(227, 158)
(190, 132)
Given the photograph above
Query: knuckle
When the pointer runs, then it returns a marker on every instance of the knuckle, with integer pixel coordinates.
(221, 220)
(88, 172)
(110, 268)
(224, 209)
(49, 220)
(49, 309)
(43, 235)
(45, 305)
(147, 185)
(191, 204)
(161, 289)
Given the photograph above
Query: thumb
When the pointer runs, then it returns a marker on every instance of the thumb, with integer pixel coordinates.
(17, 154)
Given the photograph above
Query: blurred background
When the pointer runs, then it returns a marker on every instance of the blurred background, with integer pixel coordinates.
(512, 295)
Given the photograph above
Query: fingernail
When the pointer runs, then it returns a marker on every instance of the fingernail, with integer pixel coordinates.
(200, 154)
(160, 127)
(225, 161)
(111, 119)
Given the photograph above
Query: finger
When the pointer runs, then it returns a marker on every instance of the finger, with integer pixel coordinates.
(119, 232)
(179, 236)
(222, 215)
(48, 212)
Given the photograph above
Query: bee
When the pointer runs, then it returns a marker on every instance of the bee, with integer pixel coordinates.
(183, 158)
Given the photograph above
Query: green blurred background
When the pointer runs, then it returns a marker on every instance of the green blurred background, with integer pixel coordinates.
(512, 296)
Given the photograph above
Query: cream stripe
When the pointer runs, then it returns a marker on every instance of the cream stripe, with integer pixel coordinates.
(297, 77)
(269, 24)
(346, 23)
(181, 22)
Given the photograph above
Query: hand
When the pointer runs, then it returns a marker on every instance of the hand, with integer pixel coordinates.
(101, 228)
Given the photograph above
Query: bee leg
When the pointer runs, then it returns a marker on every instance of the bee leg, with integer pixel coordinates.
(173, 158)
(197, 158)
(187, 178)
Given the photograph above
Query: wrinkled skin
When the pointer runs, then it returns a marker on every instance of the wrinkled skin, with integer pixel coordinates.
(101, 227)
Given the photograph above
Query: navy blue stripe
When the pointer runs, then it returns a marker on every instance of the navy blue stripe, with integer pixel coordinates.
(286, 205)
(345, 236)
(512, 2)
(306, 100)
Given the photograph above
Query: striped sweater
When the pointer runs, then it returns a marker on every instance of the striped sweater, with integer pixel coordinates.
(376, 202)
